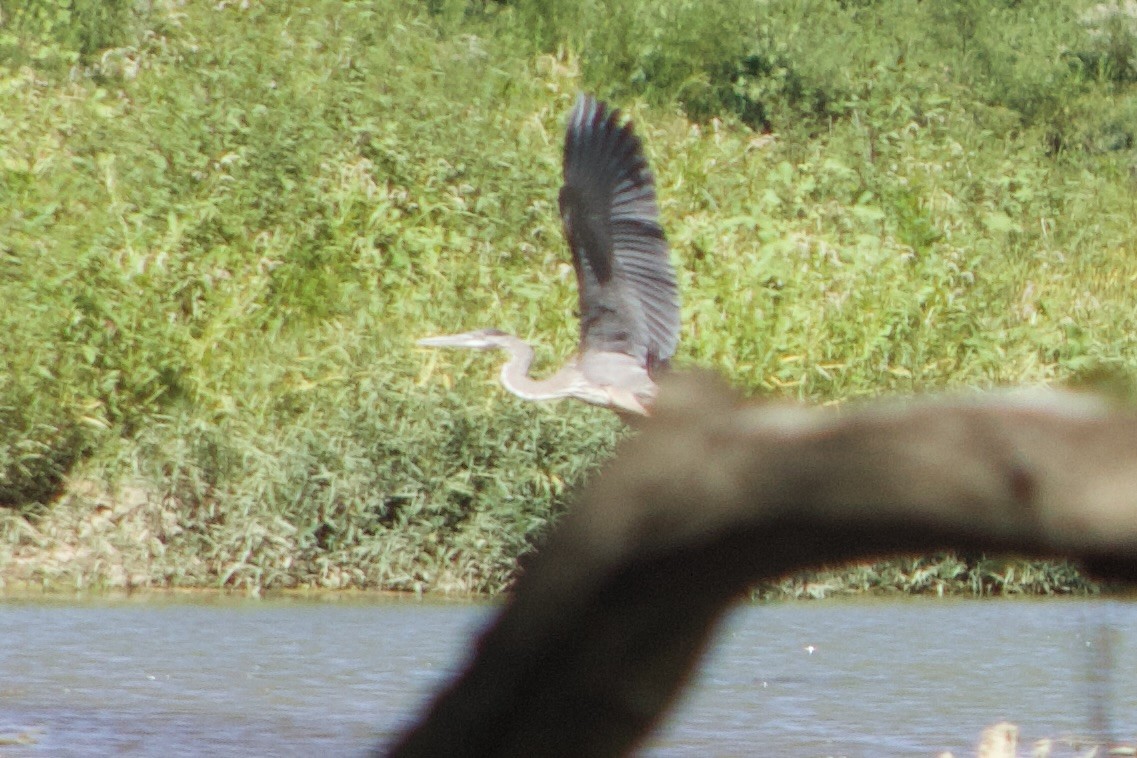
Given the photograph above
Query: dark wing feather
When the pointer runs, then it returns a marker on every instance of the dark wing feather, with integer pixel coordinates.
(628, 299)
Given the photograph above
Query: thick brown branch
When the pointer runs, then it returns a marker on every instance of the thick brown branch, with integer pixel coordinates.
(611, 616)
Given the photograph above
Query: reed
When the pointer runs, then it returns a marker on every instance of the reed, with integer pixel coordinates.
(225, 225)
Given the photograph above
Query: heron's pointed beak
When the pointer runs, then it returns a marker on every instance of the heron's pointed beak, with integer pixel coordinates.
(466, 339)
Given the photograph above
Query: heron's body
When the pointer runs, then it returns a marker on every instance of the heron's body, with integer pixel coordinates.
(629, 305)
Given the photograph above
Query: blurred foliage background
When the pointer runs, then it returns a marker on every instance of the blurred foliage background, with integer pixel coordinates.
(223, 225)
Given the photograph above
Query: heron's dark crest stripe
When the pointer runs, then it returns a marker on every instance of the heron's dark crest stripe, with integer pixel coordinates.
(629, 302)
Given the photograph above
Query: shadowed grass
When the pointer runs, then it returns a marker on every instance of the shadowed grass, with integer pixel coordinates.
(221, 238)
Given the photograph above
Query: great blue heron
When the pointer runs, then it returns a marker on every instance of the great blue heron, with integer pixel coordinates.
(629, 305)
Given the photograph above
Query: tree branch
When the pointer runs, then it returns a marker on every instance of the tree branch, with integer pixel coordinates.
(611, 616)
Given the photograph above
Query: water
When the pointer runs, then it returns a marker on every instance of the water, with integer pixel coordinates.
(906, 678)
(292, 677)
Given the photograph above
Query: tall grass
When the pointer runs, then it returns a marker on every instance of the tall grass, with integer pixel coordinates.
(225, 224)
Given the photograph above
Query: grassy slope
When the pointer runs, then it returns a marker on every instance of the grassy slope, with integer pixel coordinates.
(220, 239)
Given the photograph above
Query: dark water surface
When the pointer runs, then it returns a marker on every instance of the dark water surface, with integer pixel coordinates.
(180, 677)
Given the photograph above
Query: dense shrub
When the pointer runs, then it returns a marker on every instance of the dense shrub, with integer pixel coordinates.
(222, 231)
(46, 30)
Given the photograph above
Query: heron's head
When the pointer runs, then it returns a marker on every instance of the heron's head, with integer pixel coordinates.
(480, 339)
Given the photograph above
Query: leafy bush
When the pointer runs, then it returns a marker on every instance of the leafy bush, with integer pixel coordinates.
(220, 239)
(64, 29)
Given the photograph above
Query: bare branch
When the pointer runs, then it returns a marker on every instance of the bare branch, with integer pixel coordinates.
(610, 618)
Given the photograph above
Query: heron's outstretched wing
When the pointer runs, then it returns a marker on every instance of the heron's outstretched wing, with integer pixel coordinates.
(628, 299)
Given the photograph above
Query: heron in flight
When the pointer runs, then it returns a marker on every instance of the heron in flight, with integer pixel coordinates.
(629, 304)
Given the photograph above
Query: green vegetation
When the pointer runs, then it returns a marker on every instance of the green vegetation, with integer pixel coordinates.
(224, 224)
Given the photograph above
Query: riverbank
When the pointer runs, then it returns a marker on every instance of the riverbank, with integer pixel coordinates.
(226, 224)
(94, 542)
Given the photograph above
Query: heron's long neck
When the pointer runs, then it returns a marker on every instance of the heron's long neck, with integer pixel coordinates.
(515, 375)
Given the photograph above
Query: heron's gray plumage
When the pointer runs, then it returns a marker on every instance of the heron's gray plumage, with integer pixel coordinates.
(628, 299)
(629, 304)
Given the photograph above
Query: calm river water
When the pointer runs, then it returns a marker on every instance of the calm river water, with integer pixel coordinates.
(217, 677)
